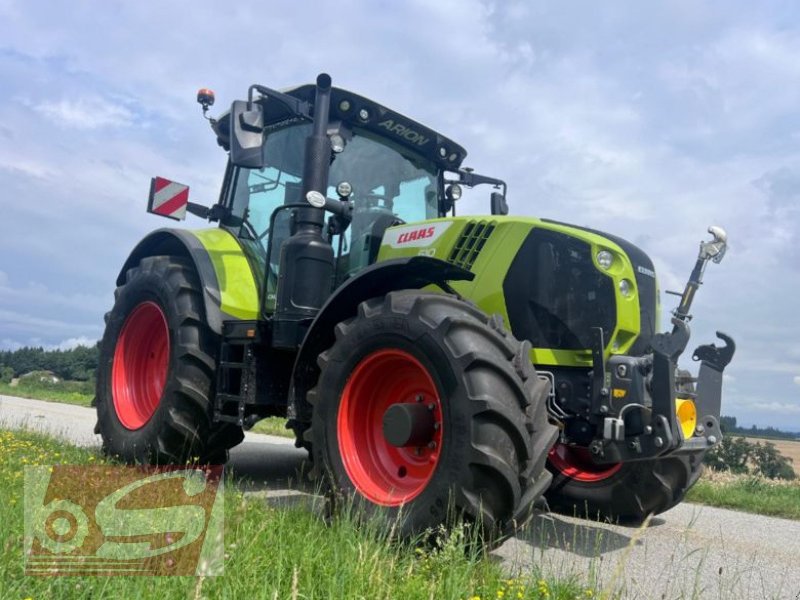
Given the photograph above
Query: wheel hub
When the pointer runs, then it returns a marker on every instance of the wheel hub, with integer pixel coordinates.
(409, 424)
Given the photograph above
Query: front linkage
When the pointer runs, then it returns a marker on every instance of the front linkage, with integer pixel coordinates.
(635, 400)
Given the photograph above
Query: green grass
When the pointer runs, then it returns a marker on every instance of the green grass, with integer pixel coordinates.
(68, 392)
(273, 426)
(749, 494)
(271, 552)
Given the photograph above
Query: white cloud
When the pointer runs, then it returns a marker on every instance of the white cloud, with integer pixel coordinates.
(781, 408)
(21, 166)
(23, 324)
(766, 365)
(796, 380)
(8, 344)
(35, 342)
(72, 343)
(86, 113)
(37, 294)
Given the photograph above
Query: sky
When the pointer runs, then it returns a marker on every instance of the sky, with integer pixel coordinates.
(650, 121)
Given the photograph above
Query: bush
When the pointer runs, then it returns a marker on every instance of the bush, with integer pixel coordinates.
(771, 463)
(6, 374)
(731, 454)
(736, 454)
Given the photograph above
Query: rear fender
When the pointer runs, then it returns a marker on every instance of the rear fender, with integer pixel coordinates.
(229, 288)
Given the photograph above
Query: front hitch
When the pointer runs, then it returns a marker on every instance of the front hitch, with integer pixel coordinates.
(646, 425)
(708, 401)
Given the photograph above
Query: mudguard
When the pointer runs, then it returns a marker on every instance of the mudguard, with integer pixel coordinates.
(229, 288)
(376, 280)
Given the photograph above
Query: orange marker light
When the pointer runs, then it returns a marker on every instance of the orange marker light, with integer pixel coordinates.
(205, 97)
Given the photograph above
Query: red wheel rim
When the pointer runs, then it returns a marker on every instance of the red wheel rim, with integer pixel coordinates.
(385, 474)
(141, 361)
(576, 463)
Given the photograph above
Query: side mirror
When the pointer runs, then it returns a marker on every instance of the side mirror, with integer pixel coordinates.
(499, 204)
(247, 134)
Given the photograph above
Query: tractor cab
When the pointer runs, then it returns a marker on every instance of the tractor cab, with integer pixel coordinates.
(385, 169)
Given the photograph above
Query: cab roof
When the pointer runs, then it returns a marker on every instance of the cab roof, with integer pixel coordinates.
(360, 112)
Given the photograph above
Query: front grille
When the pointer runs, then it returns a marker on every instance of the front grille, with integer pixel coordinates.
(555, 295)
(470, 243)
(645, 282)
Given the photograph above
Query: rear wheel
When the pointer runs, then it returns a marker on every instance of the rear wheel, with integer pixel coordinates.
(424, 404)
(157, 364)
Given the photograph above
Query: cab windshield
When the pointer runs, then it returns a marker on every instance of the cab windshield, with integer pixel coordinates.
(389, 186)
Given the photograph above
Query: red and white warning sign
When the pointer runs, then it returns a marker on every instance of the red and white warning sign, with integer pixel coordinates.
(168, 198)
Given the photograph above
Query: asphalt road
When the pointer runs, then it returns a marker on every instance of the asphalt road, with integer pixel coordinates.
(690, 551)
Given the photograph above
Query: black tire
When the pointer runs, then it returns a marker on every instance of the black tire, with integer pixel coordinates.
(637, 490)
(494, 429)
(180, 427)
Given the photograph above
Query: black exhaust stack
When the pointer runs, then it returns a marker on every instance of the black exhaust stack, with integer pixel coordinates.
(306, 265)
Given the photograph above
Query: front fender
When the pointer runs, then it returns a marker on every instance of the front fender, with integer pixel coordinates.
(229, 286)
(376, 280)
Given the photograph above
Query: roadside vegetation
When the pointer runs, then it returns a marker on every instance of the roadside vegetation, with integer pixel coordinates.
(39, 385)
(77, 364)
(749, 476)
(741, 457)
(273, 426)
(272, 551)
(748, 493)
(56, 375)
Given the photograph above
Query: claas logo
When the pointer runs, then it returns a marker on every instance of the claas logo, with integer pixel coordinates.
(418, 234)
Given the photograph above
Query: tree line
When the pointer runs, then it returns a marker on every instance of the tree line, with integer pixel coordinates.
(78, 364)
(729, 425)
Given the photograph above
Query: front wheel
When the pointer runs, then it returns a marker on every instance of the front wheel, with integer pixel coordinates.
(623, 492)
(424, 405)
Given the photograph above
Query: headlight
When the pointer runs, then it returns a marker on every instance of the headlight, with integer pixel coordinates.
(605, 259)
(453, 191)
(344, 189)
(626, 288)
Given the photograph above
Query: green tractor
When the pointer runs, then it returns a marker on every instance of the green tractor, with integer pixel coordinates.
(425, 361)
